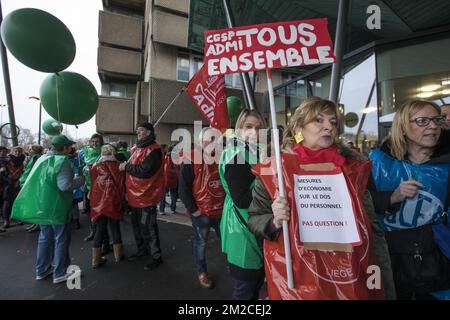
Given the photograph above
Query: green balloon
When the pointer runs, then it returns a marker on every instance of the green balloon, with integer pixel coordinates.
(234, 106)
(52, 127)
(38, 39)
(77, 98)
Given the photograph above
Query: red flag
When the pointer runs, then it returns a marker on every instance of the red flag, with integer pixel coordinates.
(209, 96)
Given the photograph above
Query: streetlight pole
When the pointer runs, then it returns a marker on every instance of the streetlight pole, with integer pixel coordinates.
(7, 81)
(40, 117)
(1, 121)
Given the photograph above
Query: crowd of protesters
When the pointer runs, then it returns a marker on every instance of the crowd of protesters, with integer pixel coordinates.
(230, 191)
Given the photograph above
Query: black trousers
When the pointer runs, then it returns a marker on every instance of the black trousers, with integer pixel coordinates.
(102, 231)
(6, 210)
(246, 290)
(146, 232)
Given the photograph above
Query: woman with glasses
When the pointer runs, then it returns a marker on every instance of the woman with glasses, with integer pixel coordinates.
(411, 193)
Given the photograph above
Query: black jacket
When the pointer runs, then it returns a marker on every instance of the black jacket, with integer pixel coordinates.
(151, 163)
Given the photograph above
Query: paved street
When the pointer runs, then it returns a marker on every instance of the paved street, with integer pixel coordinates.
(174, 279)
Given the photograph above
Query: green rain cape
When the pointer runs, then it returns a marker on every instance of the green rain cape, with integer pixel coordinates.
(238, 243)
(91, 156)
(40, 201)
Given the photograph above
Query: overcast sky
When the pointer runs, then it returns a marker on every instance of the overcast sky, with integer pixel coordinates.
(81, 17)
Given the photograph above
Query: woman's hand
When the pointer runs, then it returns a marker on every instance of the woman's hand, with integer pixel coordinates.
(122, 166)
(406, 189)
(281, 211)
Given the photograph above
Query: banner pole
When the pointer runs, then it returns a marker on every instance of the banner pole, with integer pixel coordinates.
(281, 193)
(169, 106)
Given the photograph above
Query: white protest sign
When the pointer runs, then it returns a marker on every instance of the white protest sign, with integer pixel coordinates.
(268, 46)
(325, 210)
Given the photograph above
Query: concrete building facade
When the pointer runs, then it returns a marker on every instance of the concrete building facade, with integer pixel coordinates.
(144, 62)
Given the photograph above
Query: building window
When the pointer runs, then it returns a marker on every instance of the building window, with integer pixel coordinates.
(183, 67)
(197, 64)
(294, 89)
(188, 65)
(124, 90)
(233, 80)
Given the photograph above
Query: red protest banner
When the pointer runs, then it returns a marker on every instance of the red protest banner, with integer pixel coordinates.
(267, 46)
(209, 96)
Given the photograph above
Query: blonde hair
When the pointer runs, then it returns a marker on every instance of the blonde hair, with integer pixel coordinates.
(400, 125)
(305, 113)
(247, 113)
(108, 150)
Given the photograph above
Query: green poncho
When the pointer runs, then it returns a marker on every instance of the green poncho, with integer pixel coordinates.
(40, 201)
(238, 243)
(91, 156)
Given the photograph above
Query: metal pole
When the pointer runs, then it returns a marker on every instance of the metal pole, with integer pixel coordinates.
(245, 79)
(363, 118)
(281, 193)
(7, 82)
(339, 42)
(40, 120)
(169, 106)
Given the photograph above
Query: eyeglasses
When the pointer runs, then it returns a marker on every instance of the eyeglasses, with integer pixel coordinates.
(424, 121)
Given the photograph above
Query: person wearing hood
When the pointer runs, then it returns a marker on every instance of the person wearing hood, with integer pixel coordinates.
(107, 207)
(411, 192)
(11, 177)
(145, 188)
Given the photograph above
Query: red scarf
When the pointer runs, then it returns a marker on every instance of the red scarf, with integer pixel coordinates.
(307, 156)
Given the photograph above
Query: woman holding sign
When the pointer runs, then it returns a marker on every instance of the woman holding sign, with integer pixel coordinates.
(338, 249)
(411, 194)
(243, 251)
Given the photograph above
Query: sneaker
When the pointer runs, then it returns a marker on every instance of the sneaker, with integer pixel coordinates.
(61, 279)
(205, 280)
(153, 264)
(45, 274)
(34, 228)
(2, 230)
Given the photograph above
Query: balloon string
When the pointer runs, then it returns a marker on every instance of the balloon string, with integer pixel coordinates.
(57, 97)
